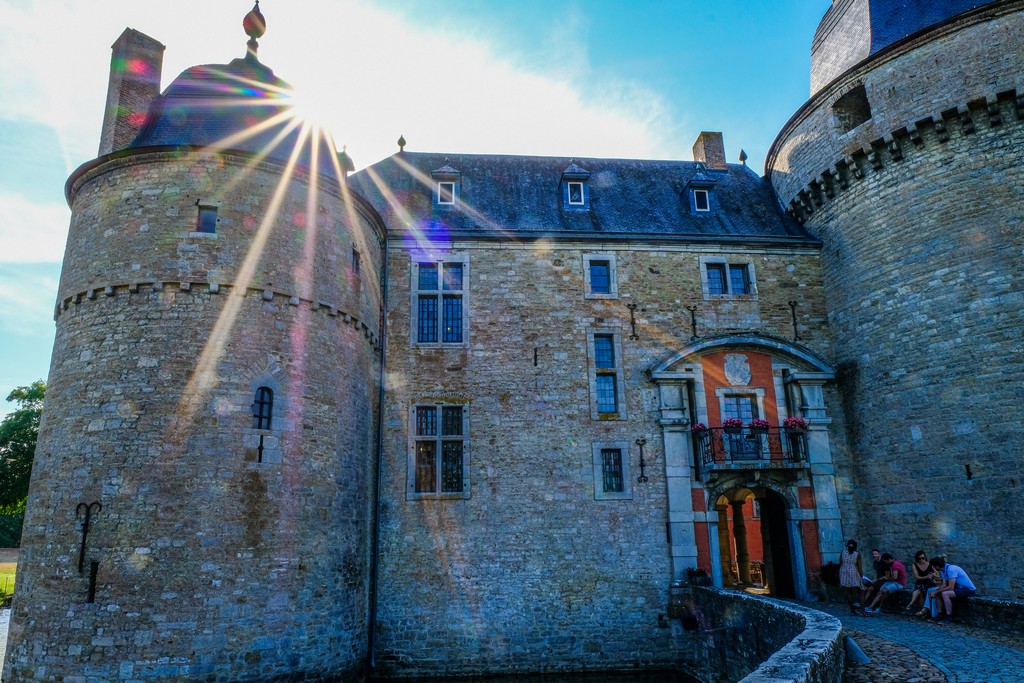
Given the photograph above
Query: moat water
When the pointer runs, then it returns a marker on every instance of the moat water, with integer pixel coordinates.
(592, 677)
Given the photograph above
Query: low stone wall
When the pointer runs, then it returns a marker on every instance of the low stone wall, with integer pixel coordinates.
(757, 639)
(997, 614)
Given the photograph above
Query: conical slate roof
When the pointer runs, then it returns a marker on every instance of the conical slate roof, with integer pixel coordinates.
(241, 107)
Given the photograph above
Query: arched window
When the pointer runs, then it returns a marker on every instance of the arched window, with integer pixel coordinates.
(263, 408)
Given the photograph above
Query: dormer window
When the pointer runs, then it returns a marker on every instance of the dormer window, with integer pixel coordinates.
(701, 200)
(448, 181)
(575, 193)
(446, 192)
(700, 189)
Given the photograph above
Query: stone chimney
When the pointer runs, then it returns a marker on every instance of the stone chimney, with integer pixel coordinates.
(710, 150)
(135, 65)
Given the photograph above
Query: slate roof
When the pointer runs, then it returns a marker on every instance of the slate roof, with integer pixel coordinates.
(222, 106)
(891, 20)
(522, 196)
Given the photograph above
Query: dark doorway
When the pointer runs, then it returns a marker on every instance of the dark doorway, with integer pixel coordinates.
(778, 562)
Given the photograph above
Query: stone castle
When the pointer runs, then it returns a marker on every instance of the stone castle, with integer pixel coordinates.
(456, 413)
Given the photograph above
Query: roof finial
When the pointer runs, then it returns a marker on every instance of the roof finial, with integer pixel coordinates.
(743, 157)
(401, 143)
(345, 161)
(255, 26)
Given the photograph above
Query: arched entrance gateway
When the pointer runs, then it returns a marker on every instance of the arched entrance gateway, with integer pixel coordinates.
(751, 502)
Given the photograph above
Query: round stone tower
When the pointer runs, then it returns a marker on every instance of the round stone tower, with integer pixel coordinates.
(907, 163)
(201, 498)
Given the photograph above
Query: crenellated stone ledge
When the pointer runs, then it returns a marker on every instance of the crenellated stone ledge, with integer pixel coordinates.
(994, 110)
(151, 287)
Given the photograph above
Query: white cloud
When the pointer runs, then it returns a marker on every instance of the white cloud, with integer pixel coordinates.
(31, 233)
(27, 300)
(374, 74)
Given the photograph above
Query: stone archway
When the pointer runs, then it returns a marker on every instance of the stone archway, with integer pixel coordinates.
(755, 536)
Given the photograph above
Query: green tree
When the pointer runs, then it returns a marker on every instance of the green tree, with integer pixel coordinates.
(18, 434)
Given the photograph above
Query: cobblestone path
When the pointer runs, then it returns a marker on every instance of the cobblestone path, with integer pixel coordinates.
(911, 650)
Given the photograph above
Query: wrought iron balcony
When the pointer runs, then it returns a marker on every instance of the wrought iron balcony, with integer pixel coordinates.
(747, 448)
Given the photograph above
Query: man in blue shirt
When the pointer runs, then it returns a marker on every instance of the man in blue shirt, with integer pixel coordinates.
(955, 583)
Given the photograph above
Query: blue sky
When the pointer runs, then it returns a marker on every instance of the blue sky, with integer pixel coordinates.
(598, 78)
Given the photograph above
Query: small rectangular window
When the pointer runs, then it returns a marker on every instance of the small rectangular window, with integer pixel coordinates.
(716, 278)
(446, 192)
(606, 399)
(452, 277)
(739, 279)
(604, 351)
(207, 221)
(438, 461)
(427, 276)
(701, 200)
(599, 276)
(600, 281)
(576, 193)
(611, 471)
(355, 262)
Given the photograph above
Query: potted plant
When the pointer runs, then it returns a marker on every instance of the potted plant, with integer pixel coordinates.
(795, 425)
(698, 577)
(698, 427)
(759, 426)
(732, 425)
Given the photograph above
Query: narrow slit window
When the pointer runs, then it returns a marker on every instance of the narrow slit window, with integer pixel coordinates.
(263, 408)
(606, 379)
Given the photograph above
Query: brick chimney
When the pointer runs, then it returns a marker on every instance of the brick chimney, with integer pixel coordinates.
(135, 64)
(710, 150)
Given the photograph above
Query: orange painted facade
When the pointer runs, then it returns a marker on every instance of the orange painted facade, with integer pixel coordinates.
(713, 366)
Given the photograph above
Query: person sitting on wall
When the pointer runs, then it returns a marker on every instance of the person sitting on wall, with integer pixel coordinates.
(871, 587)
(954, 584)
(896, 573)
(851, 572)
(924, 576)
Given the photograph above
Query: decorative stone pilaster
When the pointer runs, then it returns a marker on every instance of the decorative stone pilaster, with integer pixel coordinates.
(806, 390)
(673, 393)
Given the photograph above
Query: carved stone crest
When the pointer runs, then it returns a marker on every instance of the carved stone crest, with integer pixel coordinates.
(737, 369)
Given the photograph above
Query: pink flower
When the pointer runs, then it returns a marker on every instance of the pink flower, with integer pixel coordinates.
(797, 424)
(731, 422)
(698, 427)
(758, 423)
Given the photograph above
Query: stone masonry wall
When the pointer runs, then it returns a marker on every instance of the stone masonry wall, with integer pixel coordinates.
(212, 564)
(923, 259)
(531, 572)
